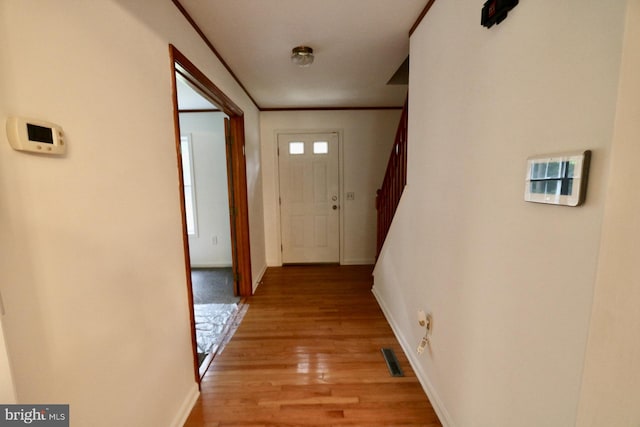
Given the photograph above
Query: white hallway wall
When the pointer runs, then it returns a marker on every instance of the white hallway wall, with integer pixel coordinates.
(211, 191)
(510, 284)
(367, 138)
(611, 380)
(7, 388)
(91, 270)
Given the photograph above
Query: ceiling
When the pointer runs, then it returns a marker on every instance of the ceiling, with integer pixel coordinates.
(189, 98)
(358, 46)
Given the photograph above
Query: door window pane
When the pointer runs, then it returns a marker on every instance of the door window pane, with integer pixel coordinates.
(320, 147)
(296, 148)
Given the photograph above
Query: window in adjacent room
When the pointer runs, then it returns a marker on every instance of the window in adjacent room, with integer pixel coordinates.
(189, 181)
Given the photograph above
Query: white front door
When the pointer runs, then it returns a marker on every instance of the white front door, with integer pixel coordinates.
(309, 197)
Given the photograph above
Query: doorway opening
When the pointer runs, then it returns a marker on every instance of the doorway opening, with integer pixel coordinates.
(206, 199)
(209, 132)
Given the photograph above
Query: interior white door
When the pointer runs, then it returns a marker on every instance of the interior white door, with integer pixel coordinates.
(309, 197)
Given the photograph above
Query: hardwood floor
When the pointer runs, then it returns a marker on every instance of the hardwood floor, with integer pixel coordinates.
(308, 353)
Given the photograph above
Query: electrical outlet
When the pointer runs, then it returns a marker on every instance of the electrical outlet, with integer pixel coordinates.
(214, 240)
(425, 320)
(422, 318)
(351, 196)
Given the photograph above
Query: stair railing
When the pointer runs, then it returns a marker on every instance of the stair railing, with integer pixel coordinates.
(395, 179)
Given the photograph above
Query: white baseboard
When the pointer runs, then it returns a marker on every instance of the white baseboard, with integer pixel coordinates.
(186, 407)
(222, 265)
(358, 261)
(410, 351)
(258, 278)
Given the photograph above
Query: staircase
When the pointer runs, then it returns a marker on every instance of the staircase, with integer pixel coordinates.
(395, 178)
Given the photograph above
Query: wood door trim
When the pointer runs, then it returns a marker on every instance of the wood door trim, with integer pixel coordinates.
(183, 215)
(197, 78)
(239, 218)
(200, 110)
(238, 173)
(241, 204)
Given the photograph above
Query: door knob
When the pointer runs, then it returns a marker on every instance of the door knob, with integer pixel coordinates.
(335, 207)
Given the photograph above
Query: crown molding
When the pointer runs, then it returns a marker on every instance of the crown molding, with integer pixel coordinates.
(329, 108)
(421, 17)
(212, 48)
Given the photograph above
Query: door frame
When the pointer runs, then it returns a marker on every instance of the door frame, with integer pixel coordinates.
(341, 179)
(237, 181)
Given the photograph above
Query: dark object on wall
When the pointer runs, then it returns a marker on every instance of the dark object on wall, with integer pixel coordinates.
(495, 11)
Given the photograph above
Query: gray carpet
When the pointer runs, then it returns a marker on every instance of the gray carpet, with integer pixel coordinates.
(213, 286)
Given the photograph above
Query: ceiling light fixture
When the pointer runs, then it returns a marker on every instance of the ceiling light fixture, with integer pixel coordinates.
(302, 56)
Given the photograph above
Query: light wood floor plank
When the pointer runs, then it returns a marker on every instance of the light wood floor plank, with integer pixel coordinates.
(307, 353)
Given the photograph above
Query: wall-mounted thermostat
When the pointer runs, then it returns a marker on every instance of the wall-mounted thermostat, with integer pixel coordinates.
(36, 136)
(558, 179)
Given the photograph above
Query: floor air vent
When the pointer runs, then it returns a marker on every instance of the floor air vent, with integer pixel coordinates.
(392, 363)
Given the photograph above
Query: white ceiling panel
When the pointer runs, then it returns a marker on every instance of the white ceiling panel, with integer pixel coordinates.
(358, 46)
(189, 99)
